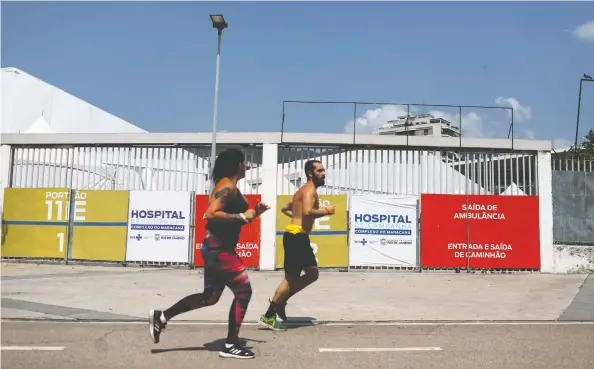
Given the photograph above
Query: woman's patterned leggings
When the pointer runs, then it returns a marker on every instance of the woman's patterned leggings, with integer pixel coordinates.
(222, 267)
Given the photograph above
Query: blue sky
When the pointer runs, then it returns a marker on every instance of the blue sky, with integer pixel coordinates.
(153, 63)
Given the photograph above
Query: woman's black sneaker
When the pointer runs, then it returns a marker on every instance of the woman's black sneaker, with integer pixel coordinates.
(156, 327)
(236, 352)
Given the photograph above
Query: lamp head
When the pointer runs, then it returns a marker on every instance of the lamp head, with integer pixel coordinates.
(218, 21)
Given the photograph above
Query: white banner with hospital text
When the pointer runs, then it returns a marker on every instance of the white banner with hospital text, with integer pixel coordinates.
(159, 226)
(383, 231)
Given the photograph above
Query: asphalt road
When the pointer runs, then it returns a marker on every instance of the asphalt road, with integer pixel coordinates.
(119, 345)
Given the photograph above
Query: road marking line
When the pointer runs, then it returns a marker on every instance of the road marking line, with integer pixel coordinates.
(379, 349)
(31, 348)
(431, 324)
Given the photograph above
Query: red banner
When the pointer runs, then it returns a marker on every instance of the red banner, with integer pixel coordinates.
(248, 247)
(481, 231)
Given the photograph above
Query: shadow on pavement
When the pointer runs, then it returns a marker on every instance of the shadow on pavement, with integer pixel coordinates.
(295, 322)
(216, 346)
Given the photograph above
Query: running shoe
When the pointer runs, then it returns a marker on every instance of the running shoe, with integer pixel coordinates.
(156, 326)
(236, 352)
(271, 323)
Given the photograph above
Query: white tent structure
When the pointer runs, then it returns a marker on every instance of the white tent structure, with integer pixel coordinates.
(30, 105)
(514, 190)
(39, 126)
(26, 99)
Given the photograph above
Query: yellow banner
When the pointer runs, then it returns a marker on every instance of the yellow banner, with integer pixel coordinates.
(328, 237)
(35, 222)
(100, 225)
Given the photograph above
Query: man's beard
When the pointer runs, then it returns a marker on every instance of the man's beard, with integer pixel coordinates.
(319, 182)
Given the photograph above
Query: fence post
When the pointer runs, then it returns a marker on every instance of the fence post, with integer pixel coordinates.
(268, 190)
(419, 233)
(545, 205)
(70, 231)
(192, 232)
(349, 227)
(124, 262)
(6, 165)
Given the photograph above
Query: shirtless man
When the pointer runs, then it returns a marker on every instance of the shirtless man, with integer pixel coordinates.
(303, 209)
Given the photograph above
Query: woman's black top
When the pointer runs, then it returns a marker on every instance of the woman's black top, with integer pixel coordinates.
(228, 232)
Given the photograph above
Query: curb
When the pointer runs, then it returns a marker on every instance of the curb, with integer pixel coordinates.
(311, 323)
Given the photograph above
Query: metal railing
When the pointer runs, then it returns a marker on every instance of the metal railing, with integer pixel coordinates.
(573, 164)
(151, 168)
(408, 107)
(410, 172)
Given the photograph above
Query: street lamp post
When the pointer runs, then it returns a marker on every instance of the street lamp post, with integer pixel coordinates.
(218, 22)
(586, 78)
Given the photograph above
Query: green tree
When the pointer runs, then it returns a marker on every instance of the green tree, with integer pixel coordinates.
(587, 146)
(584, 150)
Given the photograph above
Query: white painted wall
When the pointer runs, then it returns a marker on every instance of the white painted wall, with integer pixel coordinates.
(268, 221)
(573, 259)
(545, 206)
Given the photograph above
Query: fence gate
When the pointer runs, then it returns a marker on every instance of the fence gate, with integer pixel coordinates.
(359, 170)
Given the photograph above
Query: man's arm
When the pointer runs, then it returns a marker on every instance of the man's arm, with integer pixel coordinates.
(309, 198)
(222, 193)
(288, 209)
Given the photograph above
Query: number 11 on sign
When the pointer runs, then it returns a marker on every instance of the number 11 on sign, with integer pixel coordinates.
(79, 207)
(50, 209)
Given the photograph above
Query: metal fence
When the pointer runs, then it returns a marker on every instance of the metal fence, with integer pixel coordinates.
(155, 168)
(350, 169)
(410, 172)
(361, 170)
(573, 201)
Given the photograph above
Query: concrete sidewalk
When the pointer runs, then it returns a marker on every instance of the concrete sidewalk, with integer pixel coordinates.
(114, 293)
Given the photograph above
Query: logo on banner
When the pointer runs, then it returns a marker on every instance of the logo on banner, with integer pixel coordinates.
(158, 220)
(159, 237)
(383, 224)
(364, 242)
(138, 237)
(386, 241)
